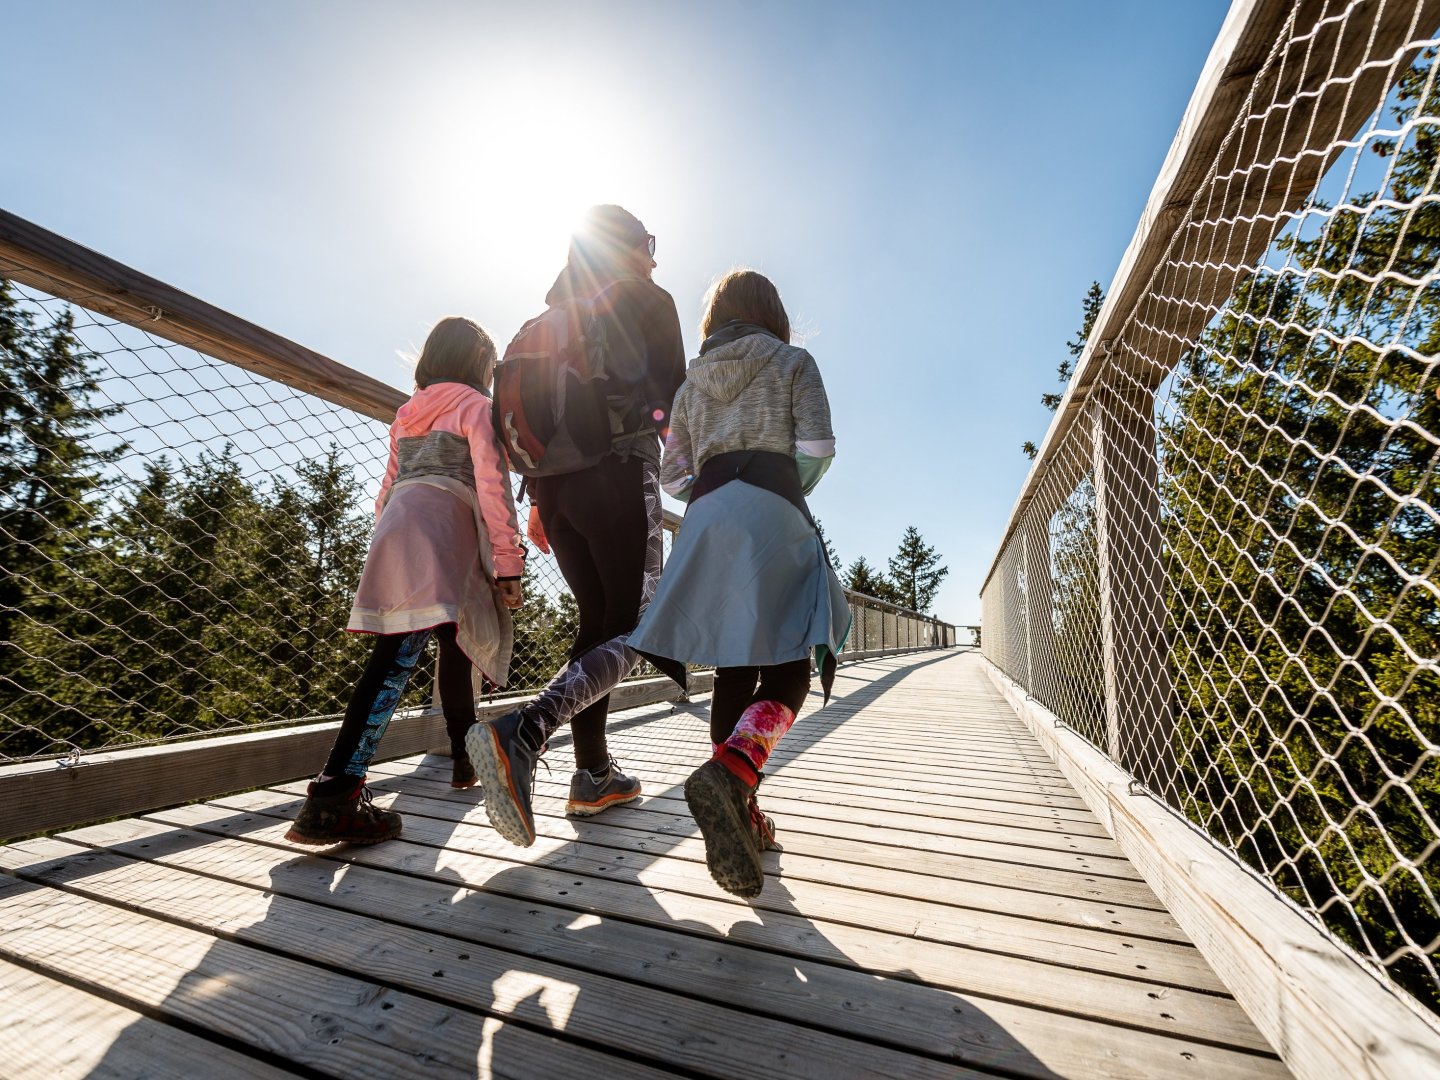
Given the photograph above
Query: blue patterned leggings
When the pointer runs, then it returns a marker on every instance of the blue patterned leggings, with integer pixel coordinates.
(378, 692)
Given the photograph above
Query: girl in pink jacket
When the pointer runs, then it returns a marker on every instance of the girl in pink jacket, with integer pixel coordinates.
(446, 559)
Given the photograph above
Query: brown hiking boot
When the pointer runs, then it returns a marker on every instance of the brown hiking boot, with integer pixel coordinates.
(345, 818)
(721, 805)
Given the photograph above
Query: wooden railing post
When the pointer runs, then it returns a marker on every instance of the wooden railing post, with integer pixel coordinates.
(1140, 723)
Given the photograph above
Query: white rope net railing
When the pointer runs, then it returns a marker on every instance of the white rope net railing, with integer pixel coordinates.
(1228, 577)
(180, 540)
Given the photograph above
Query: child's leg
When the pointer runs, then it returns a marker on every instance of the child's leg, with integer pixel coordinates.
(373, 702)
(772, 710)
(457, 688)
(337, 806)
(457, 701)
(721, 793)
(734, 693)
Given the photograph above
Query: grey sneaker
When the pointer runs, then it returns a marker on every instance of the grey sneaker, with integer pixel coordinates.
(588, 796)
(462, 772)
(504, 753)
(721, 803)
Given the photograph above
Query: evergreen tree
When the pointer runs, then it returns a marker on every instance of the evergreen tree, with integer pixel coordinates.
(868, 581)
(830, 554)
(916, 572)
(50, 466)
(52, 473)
(314, 565)
(1089, 311)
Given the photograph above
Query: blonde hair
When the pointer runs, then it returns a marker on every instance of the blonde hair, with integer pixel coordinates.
(747, 296)
(457, 350)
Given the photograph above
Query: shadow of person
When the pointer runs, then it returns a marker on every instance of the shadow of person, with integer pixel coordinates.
(657, 960)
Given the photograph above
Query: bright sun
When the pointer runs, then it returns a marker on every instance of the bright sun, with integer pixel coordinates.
(515, 170)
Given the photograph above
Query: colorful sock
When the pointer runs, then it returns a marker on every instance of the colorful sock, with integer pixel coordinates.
(761, 726)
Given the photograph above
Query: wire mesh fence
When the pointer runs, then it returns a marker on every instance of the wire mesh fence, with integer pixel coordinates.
(1227, 575)
(180, 540)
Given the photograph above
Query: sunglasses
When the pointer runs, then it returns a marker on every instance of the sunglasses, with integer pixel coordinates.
(650, 244)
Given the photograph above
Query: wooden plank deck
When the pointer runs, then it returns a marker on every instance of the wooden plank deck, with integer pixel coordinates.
(945, 906)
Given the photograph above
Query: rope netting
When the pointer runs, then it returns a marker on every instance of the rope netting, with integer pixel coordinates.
(1227, 577)
(180, 541)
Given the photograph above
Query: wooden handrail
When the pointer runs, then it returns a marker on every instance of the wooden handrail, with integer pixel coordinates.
(72, 272)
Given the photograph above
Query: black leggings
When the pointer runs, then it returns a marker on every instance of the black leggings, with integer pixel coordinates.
(599, 529)
(736, 690)
(376, 695)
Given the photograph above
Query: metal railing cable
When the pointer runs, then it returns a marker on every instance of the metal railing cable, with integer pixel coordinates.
(1225, 570)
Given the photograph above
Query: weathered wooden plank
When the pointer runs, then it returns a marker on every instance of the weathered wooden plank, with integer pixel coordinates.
(52, 1031)
(853, 763)
(1295, 981)
(309, 1015)
(689, 939)
(677, 1032)
(827, 747)
(1086, 847)
(436, 823)
(598, 881)
(953, 797)
(629, 826)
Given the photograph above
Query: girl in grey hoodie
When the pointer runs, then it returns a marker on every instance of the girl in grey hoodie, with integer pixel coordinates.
(747, 587)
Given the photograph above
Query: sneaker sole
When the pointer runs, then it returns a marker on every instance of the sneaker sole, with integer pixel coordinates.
(502, 803)
(585, 809)
(730, 849)
(316, 841)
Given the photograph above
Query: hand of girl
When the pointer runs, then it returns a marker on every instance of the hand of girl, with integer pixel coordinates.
(511, 594)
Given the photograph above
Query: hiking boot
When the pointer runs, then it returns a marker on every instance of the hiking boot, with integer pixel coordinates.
(721, 804)
(504, 752)
(588, 796)
(462, 772)
(764, 826)
(348, 817)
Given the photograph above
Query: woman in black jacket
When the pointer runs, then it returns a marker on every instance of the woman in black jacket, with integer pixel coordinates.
(603, 525)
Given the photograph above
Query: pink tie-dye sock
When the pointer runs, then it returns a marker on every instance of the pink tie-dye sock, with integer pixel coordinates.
(761, 726)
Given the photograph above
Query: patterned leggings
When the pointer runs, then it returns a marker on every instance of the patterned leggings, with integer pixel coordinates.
(378, 692)
(604, 527)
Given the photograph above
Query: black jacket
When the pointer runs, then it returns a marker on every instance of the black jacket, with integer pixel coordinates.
(647, 354)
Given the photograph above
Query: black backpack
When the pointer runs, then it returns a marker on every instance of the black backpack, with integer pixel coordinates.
(553, 402)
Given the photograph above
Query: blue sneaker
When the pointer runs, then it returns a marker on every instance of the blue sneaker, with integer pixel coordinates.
(504, 752)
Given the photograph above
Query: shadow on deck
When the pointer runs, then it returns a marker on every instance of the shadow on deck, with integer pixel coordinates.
(945, 906)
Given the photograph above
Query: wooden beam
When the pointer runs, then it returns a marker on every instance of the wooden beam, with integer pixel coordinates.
(1320, 90)
(41, 796)
(1326, 1014)
(49, 262)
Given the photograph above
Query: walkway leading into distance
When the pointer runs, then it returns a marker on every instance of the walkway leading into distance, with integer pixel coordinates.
(945, 906)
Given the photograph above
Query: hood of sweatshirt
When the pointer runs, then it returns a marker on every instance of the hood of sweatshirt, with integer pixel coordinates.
(417, 416)
(725, 370)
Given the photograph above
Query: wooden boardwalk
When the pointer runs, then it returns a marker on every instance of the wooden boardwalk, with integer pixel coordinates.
(945, 906)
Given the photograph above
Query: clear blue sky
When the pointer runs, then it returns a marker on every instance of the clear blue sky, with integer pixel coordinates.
(931, 185)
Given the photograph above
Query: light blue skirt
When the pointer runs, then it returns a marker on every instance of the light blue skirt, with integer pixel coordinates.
(747, 584)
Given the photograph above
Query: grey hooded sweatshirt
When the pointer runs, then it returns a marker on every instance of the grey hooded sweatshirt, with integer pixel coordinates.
(754, 393)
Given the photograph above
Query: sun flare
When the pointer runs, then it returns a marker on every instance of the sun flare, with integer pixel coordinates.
(513, 172)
